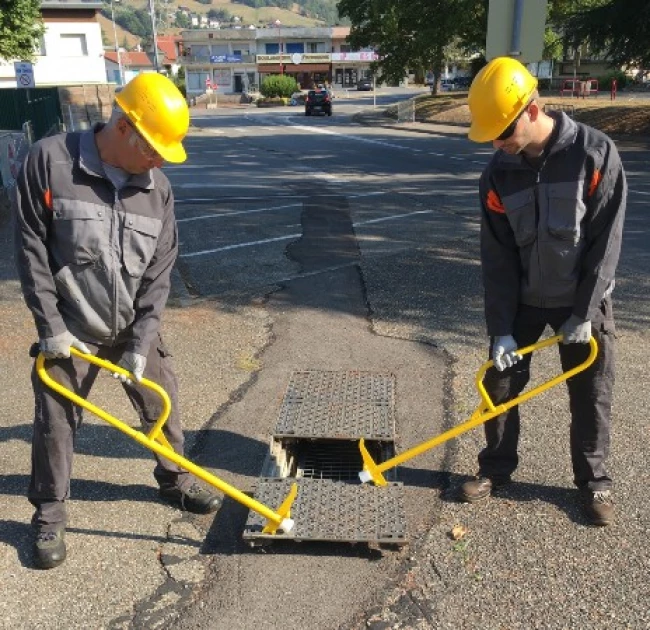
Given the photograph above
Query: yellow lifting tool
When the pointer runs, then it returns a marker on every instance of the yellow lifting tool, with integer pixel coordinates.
(484, 412)
(156, 441)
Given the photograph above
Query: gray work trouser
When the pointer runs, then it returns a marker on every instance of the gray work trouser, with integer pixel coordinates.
(590, 396)
(57, 420)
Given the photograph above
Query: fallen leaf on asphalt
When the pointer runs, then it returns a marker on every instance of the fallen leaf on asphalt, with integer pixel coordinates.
(458, 531)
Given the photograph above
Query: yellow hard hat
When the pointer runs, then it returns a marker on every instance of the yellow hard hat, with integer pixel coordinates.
(158, 111)
(498, 94)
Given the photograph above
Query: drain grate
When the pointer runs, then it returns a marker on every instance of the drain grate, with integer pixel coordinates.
(315, 443)
(342, 405)
(326, 510)
(337, 460)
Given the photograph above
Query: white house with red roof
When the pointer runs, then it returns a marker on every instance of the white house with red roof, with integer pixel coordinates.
(122, 66)
(71, 51)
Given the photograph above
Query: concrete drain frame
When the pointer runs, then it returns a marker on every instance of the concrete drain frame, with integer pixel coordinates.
(315, 444)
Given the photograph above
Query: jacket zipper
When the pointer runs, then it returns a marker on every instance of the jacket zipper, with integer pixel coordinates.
(537, 213)
(115, 266)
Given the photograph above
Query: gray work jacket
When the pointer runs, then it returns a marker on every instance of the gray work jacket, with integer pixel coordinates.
(552, 237)
(93, 260)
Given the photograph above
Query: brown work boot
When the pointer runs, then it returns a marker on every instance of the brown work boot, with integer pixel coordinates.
(479, 488)
(598, 506)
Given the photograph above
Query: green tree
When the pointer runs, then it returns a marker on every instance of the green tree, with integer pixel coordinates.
(412, 34)
(620, 29)
(21, 27)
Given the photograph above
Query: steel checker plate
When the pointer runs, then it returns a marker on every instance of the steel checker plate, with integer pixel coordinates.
(338, 405)
(329, 510)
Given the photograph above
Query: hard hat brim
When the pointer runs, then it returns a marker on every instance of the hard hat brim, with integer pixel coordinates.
(174, 153)
(476, 135)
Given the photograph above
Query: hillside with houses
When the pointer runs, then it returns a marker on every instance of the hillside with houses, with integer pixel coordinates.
(127, 23)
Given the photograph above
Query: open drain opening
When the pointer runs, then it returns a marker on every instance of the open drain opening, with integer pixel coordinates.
(336, 460)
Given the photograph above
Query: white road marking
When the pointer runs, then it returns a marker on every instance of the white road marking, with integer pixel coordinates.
(289, 237)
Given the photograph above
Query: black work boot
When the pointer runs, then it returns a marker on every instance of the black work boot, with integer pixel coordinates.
(479, 488)
(598, 506)
(49, 549)
(193, 498)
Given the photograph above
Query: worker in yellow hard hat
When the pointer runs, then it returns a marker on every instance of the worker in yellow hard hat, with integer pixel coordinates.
(553, 202)
(96, 240)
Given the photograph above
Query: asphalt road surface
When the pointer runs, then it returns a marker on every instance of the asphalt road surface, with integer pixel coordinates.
(320, 243)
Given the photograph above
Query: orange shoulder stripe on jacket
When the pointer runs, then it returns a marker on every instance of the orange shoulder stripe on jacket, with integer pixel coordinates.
(47, 198)
(595, 180)
(494, 203)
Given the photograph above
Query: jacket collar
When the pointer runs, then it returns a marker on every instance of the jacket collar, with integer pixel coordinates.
(90, 161)
(567, 133)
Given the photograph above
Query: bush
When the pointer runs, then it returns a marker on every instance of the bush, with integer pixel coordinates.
(278, 85)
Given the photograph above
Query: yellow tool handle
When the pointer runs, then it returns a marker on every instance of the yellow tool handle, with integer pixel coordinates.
(484, 412)
(540, 388)
(156, 441)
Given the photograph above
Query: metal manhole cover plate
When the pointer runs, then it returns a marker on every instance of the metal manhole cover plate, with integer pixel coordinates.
(338, 405)
(329, 510)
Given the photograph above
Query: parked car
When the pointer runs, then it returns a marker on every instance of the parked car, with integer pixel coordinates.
(364, 84)
(446, 85)
(318, 101)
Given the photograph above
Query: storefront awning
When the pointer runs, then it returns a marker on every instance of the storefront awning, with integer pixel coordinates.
(291, 68)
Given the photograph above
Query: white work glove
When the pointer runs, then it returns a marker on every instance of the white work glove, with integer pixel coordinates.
(58, 347)
(576, 330)
(504, 352)
(134, 363)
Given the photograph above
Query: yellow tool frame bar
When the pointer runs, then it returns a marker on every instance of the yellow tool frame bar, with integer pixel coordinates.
(156, 441)
(484, 412)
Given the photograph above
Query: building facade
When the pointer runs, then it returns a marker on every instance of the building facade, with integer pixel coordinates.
(237, 60)
(71, 50)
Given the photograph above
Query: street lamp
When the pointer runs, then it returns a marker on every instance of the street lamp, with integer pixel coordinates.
(117, 48)
(152, 11)
(279, 25)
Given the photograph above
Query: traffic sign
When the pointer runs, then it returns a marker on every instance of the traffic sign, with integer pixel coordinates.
(24, 74)
(516, 29)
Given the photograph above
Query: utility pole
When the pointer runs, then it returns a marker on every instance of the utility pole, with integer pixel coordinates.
(117, 48)
(152, 12)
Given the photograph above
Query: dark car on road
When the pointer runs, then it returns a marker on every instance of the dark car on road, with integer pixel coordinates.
(364, 84)
(318, 101)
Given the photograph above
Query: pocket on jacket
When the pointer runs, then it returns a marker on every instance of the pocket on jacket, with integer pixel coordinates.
(80, 236)
(565, 211)
(139, 240)
(520, 211)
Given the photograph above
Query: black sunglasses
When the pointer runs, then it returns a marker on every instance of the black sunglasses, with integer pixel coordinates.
(510, 129)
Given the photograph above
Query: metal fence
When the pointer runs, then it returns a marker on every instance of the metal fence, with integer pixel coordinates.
(40, 106)
(13, 148)
(406, 111)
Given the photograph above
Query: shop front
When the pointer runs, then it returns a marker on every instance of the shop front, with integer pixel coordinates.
(308, 70)
(349, 67)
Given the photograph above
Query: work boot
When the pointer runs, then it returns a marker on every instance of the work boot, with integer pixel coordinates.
(194, 498)
(598, 506)
(49, 549)
(479, 488)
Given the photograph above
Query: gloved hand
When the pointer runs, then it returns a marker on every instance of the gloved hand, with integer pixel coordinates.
(134, 363)
(58, 347)
(504, 352)
(576, 330)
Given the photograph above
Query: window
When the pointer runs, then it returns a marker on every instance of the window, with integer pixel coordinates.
(345, 48)
(73, 45)
(312, 47)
